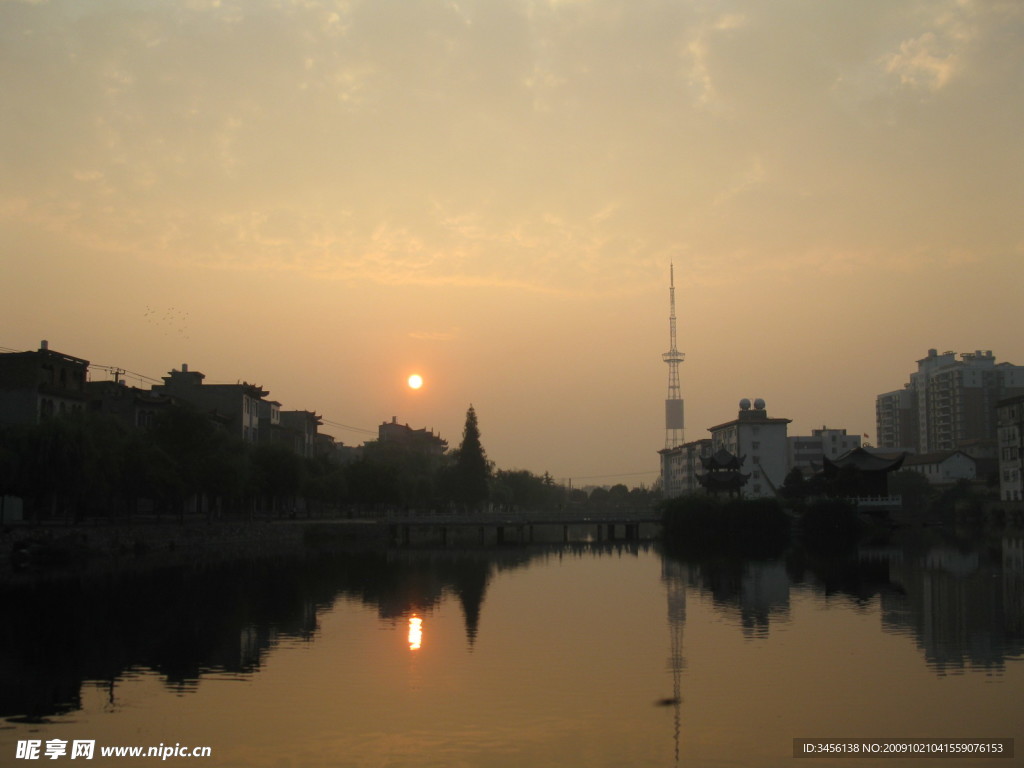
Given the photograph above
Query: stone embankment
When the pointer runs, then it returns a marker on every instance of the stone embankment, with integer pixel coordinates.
(32, 551)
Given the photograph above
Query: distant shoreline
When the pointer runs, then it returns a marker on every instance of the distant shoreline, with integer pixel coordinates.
(45, 551)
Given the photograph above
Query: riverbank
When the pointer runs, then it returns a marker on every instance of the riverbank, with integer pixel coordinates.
(57, 551)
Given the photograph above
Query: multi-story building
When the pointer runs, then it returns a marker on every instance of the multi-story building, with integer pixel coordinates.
(761, 440)
(806, 452)
(896, 419)
(422, 440)
(237, 404)
(131, 406)
(300, 429)
(681, 466)
(269, 416)
(947, 402)
(1010, 420)
(35, 386)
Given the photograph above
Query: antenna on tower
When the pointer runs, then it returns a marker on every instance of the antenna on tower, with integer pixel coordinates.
(674, 399)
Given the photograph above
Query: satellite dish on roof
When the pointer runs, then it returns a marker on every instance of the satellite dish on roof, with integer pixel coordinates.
(745, 404)
(759, 404)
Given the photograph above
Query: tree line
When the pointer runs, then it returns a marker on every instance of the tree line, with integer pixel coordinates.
(90, 466)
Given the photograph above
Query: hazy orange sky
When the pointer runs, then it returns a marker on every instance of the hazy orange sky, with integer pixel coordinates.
(323, 197)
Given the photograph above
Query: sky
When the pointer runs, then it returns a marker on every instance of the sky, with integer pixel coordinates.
(325, 196)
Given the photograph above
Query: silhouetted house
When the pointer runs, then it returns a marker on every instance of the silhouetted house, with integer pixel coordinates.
(860, 474)
(35, 386)
(236, 404)
(403, 435)
(133, 407)
(269, 415)
(300, 430)
(1010, 416)
(723, 473)
(328, 446)
(753, 434)
(943, 467)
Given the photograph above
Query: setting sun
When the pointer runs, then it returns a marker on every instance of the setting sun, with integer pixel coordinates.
(415, 381)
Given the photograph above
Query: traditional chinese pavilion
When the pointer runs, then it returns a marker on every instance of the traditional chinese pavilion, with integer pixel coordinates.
(722, 473)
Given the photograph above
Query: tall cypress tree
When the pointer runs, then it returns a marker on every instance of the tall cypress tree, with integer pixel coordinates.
(472, 469)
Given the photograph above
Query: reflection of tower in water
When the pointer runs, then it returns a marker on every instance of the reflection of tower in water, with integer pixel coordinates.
(675, 590)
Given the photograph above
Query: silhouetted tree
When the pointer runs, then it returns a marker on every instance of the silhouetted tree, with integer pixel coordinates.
(913, 488)
(68, 463)
(8, 473)
(618, 496)
(371, 482)
(472, 470)
(521, 489)
(206, 459)
(276, 475)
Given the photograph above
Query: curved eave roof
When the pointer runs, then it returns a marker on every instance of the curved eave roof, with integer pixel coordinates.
(864, 461)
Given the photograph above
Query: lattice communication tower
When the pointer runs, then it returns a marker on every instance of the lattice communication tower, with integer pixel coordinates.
(674, 399)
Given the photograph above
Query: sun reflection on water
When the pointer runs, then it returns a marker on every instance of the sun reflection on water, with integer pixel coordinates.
(415, 633)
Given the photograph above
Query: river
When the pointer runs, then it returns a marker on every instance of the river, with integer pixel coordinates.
(588, 654)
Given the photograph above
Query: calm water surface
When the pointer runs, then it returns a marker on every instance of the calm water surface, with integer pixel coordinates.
(602, 655)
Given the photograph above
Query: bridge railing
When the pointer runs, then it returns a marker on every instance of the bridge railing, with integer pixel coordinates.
(523, 517)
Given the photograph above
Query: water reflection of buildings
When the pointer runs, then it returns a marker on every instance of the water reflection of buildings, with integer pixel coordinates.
(962, 608)
(754, 591)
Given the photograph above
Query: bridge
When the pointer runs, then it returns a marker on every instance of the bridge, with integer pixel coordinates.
(517, 526)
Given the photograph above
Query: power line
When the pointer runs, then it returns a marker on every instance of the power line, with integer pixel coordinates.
(114, 369)
(617, 474)
(349, 428)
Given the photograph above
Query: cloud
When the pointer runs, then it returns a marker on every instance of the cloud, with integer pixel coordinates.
(922, 62)
(544, 146)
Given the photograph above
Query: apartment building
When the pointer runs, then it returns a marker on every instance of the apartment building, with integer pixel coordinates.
(1010, 421)
(681, 467)
(950, 400)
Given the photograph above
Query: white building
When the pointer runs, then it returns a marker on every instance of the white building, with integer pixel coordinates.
(806, 451)
(943, 467)
(762, 441)
(680, 467)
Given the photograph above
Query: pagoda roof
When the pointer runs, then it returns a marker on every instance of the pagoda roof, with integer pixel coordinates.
(865, 461)
(722, 459)
(936, 457)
